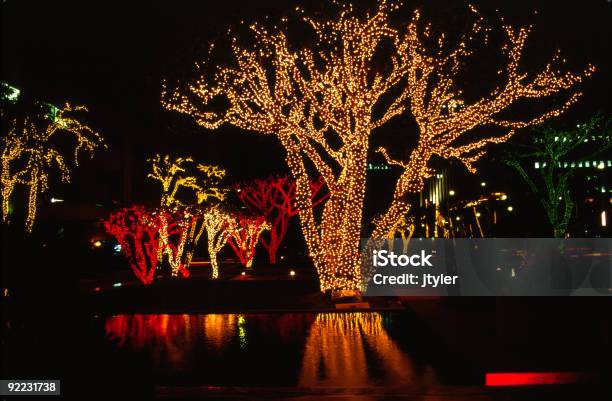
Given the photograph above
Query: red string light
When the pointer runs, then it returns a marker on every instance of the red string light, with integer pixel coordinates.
(274, 199)
(137, 231)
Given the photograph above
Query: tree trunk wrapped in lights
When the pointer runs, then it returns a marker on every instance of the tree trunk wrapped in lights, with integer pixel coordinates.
(28, 154)
(319, 102)
(137, 231)
(274, 199)
(244, 235)
(174, 228)
(202, 184)
(218, 226)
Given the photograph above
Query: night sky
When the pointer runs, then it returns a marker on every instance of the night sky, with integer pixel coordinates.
(112, 57)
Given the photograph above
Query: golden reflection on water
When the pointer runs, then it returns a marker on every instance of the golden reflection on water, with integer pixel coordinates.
(342, 348)
(218, 329)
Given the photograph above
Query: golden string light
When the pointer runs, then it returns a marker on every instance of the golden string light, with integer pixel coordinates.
(202, 182)
(173, 174)
(28, 155)
(181, 223)
(218, 225)
(330, 89)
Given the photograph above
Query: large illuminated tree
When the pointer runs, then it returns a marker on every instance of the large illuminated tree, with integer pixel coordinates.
(321, 102)
(274, 199)
(30, 153)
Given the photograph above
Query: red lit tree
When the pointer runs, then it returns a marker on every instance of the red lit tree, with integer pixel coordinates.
(137, 231)
(274, 199)
(243, 236)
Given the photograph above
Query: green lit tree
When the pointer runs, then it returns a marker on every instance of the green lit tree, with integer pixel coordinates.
(548, 162)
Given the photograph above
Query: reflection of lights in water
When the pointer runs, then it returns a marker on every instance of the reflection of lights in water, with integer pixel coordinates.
(242, 331)
(218, 329)
(170, 338)
(342, 348)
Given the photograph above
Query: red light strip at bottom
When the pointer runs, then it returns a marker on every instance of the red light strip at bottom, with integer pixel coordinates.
(534, 378)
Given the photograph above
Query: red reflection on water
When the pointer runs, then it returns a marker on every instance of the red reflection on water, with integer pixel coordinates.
(172, 338)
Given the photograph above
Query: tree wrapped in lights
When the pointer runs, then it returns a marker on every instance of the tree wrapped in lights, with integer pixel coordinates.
(174, 228)
(244, 235)
(319, 102)
(550, 159)
(218, 225)
(202, 184)
(29, 153)
(274, 199)
(137, 231)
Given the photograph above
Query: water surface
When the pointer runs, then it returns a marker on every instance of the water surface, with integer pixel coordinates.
(294, 349)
